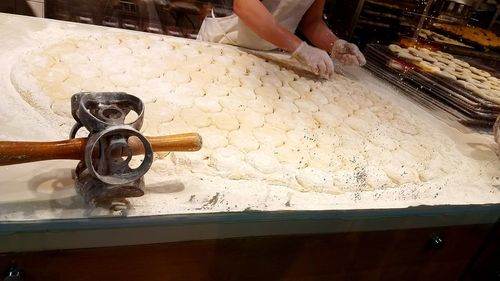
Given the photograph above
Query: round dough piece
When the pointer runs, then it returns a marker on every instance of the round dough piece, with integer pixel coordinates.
(159, 112)
(268, 135)
(445, 55)
(271, 81)
(257, 71)
(409, 57)
(461, 63)
(242, 93)
(244, 140)
(382, 140)
(468, 85)
(401, 174)
(463, 70)
(208, 104)
(427, 67)
(446, 74)
(305, 120)
(223, 60)
(318, 98)
(444, 60)
(250, 82)
(347, 103)
(440, 65)
(293, 157)
(174, 77)
(55, 74)
(285, 75)
(213, 138)
(422, 55)
(280, 120)
(201, 78)
(306, 105)
(40, 61)
(237, 70)
(478, 77)
(267, 92)
(250, 119)
(225, 121)
(480, 84)
(232, 104)
(460, 75)
(264, 161)
(394, 48)
(180, 100)
(324, 158)
(313, 179)
(337, 111)
(300, 86)
(288, 93)
(195, 117)
(261, 105)
(493, 79)
(327, 119)
(345, 180)
(227, 160)
(376, 177)
(215, 70)
(229, 81)
(214, 90)
(404, 126)
(189, 89)
(480, 72)
(358, 125)
(285, 106)
(62, 108)
(304, 139)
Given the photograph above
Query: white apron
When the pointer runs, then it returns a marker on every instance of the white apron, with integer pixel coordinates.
(232, 30)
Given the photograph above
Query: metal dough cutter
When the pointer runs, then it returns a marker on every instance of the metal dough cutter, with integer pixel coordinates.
(104, 173)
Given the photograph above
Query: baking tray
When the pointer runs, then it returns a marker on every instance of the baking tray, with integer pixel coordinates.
(433, 91)
(450, 87)
(426, 100)
(433, 102)
(480, 58)
(464, 40)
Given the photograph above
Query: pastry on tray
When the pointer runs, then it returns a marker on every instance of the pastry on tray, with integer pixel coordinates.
(477, 35)
(439, 38)
(477, 81)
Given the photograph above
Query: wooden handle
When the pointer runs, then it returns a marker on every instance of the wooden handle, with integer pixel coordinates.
(12, 152)
(182, 142)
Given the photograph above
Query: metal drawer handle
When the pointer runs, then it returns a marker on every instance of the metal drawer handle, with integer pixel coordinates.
(436, 241)
(14, 274)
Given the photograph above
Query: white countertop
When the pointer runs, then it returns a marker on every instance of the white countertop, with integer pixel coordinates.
(44, 190)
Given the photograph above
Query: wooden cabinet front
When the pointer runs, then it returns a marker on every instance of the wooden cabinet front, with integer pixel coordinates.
(417, 254)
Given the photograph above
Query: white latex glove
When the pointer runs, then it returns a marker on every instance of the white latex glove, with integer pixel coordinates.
(317, 60)
(347, 53)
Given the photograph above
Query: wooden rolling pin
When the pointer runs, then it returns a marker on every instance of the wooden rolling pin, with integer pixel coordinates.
(13, 152)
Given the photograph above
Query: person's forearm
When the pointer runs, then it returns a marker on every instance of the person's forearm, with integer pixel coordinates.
(256, 16)
(318, 33)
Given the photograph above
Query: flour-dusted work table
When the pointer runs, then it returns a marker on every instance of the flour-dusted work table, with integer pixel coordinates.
(297, 175)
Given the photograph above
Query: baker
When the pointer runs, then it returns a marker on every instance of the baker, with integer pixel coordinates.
(270, 24)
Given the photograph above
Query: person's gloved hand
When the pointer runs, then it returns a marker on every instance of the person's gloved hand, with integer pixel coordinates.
(315, 59)
(347, 53)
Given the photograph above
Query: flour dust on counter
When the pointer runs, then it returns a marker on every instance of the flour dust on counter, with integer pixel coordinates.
(261, 123)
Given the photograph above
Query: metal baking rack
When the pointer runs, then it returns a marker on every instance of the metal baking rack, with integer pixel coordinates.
(487, 60)
(434, 92)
